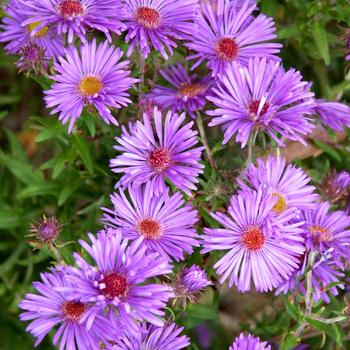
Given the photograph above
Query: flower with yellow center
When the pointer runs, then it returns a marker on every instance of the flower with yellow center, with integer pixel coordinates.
(42, 32)
(89, 86)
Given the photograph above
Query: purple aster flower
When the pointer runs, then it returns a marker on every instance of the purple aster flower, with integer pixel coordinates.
(165, 222)
(18, 37)
(118, 280)
(335, 115)
(189, 282)
(32, 58)
(261, 247)
(188, 93)
(249, 342)
(158, 23)
(328, 230)
(152, 337)
(251, 99)
(228, 33)
(325, 279)
(90, 76)
(75, 17)
(51, 308)
(336, 185)
(287, 183)
(157, 150)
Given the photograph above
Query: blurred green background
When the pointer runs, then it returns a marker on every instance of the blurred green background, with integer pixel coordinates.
(43, 170)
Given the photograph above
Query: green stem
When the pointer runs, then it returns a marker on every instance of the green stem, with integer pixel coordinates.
(251, 142)
(142, 72)
(205, 141)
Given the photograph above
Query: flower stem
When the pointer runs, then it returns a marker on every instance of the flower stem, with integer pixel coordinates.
(251, 143)
(205, 141)
(142, 72)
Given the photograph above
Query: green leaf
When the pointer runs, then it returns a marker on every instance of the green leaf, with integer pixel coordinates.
(288, 342)
(328, 149)
(9, 219)
(332, 330)
(42, 189)
(68, 190)
(320, 37)
(89, 120)
(84, 152)
(203, 312)
(292, 309)
(52, 129)
(16, 148)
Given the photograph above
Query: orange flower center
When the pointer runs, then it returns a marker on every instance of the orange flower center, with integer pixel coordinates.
(227, 49)
(149, 228)
(115, 285)
(320, 233)
(191, 90)
(159, 159)
(148, 17)
(253, 238)
(73, 310)
(89, 86)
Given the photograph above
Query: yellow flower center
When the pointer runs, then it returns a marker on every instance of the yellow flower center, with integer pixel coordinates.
(191, 90)
(280, 205)
(41, 32)
(89, 86)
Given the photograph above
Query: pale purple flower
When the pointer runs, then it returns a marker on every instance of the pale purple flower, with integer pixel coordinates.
(118, 280)
(89, 76)
(262, 97)
(75, 17)
(325, 279)
(249, 342)
(51, 309)
(18, 36)
(187, 94)
(152, 337)
(227, 32)
(328, 231)
(260, 247)
(335, 115)
(160, 148)
(158, 23)
(193, 279)
(289, 184)
(165, 222)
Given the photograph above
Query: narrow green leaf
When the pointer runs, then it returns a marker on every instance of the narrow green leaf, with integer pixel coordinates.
(320, 37)
(67, 191)
(328, 149)
(288, 342)
(84, 152)
(42, 189)
(332, 330)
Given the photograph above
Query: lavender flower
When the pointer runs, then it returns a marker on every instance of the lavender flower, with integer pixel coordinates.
(288, 184)
(53, 308)
(19, 37)
(249, 342)
(251, 99)
(188, 93)
(157, 23)
(90, 76)
(325, 279)
(261, 247)
(153, 152)
(151, 337)
(75, 17)
(165, 223)
(118, 280)
(228, 33)
(325, 230)
(335, 115)
(336, 185)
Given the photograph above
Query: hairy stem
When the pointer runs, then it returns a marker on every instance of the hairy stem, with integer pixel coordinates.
(205, 141)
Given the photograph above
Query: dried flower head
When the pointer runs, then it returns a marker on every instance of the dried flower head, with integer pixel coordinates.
(46, 230)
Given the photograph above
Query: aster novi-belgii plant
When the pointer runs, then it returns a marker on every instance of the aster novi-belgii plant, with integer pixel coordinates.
(227, 32)
(158, 23)
(259, 247)
(188, 93)
(164, 221)
(75, 17)
(52, 308)
(91, 76)
(250, 100)
(160, 148)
